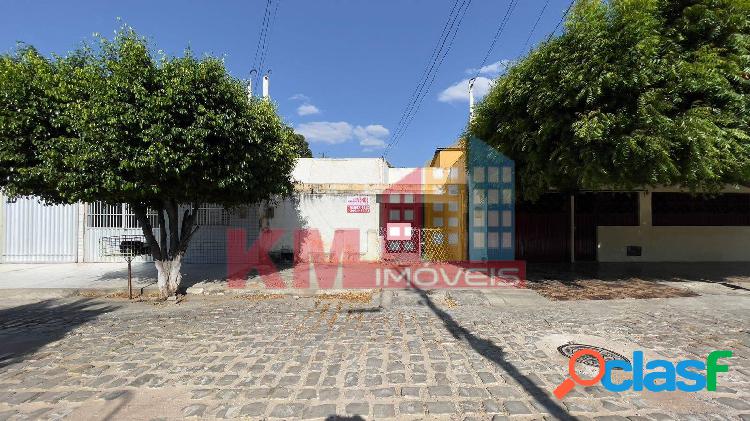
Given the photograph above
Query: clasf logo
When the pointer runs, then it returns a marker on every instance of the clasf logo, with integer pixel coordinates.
(685, 376)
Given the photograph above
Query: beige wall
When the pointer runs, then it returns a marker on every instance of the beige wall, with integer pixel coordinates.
(675, 244)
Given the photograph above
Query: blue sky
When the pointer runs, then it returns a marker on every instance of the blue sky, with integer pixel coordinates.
(342, 70)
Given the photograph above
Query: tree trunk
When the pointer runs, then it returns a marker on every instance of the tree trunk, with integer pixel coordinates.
(168, 255)
(168, 276)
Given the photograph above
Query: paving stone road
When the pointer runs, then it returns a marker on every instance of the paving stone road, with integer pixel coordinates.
(406, 355)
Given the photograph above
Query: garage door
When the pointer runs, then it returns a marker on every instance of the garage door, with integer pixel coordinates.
(35, 233)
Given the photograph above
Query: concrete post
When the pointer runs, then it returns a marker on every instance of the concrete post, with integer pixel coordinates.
(644, 208)
(471, 98)
(81, 233)
(265, 86)
(2, 227)
(572, 228)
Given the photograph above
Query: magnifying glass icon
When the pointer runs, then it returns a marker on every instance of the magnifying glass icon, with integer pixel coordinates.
(568, 384)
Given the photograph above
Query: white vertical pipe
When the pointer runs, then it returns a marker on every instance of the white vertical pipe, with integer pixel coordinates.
(471, 98)
(265, 86)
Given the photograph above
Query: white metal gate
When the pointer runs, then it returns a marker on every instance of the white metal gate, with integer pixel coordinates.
(103, 220)
(208, 246)
(35, 233)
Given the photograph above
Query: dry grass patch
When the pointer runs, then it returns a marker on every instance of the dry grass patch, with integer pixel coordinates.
(594, 289)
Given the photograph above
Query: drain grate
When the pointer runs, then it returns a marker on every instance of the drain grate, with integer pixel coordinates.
(569, 349)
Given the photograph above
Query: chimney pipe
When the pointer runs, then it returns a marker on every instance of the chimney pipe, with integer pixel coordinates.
(265, 86)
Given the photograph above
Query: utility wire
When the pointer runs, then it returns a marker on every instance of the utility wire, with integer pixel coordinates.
(562, 19)
(442, 51)
(434, 75)
(267, 41)
(500, 29)
(450, 30)
(430, 63)
(533, 28)
(261, 36)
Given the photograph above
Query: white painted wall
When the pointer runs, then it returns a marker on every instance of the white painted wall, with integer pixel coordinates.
(404, 175)
(326, 212)
(340, 171)
(675, 244)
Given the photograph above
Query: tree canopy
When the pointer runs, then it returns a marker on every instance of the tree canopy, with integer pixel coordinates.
(633, 93)
(119, 123)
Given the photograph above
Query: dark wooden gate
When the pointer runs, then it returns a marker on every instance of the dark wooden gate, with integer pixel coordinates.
(601, 209)
(543, 229)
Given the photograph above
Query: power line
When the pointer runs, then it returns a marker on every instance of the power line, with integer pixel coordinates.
(448, 35)
(261, 36)
(533, 28)
(433, 76)
(562, 19)
(430, 64)
(267, 41)
(500, 29)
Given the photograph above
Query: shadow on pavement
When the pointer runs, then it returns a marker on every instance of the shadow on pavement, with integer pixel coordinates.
(494, 353)
(571, 273)
(26, 328)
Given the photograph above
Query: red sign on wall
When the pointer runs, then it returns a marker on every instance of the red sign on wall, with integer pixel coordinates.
(357, 204)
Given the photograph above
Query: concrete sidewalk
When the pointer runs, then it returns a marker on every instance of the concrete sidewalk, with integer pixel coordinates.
(72, 277)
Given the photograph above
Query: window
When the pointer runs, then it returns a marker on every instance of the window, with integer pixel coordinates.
(676, 209)
(493, 196)
(212, 215)
(507, 175)
(408, 214)
(102, 215)
(479, 174)
(493, 174)
(478, 218)
(493, 218)
(394, 215)
(479, 240)
(493, 240)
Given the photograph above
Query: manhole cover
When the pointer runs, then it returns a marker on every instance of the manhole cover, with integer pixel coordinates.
(568, 350)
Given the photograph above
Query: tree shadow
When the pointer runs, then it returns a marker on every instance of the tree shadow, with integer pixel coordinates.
(495, 354)
(344, 418)
(27, 328)
(572, 273)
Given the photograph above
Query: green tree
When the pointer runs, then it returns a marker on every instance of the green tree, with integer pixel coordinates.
(120, 124)
(633, 93)
(302, 147)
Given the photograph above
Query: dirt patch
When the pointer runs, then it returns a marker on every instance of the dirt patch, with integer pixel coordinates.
(121, 295)
(594, 289)
(350, 297)
(260, 297)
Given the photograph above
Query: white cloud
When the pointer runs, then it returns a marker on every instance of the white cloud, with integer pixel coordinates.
(372, 136)
(307, 109)
(493, 69)
(328, 132)
(300, 97)
(459, 92)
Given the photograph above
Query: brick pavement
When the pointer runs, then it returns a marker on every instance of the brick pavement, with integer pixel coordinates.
(418, 356)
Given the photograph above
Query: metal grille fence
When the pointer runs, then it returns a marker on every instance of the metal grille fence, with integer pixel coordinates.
(426, 244)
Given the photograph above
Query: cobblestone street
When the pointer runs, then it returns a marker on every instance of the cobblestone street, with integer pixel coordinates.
(404, 354)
